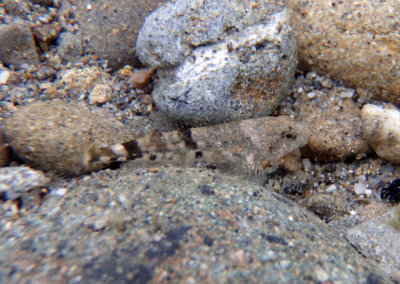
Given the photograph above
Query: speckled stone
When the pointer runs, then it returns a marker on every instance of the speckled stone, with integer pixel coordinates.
(334, 121)
(14, 181)
(218, 61)
(17, 45)
(66, 138)
(377, 240)
(174, 225)
(326, 205)
(357, 42)
(107, 29)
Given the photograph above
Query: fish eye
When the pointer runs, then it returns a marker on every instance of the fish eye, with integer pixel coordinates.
(289, 135)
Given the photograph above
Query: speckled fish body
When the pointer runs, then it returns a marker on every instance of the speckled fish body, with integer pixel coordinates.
(253, 144)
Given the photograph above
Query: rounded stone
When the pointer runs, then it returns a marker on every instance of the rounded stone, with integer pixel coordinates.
(100, 94)
(66, 138)
(218, 61)
(381, 129)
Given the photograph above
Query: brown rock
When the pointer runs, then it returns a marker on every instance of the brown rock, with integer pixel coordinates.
(357, 42)
(327, 206)
(78, 81)
(140, 78)
(335, 126)
(100, 94)
(45, 34)
(66, 138)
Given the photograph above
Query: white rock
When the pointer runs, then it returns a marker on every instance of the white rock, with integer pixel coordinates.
(59, 191)
(4, 75)
(331, 189)
(307, 166)
(381, 129)
(360, 188)
(347, 94)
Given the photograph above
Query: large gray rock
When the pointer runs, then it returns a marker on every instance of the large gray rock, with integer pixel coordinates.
(218, 61)
(377, 239)
(17, 46)
(174, 225)
(106, 28)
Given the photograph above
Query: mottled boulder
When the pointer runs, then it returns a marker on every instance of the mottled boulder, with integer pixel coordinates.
(357, 42)
(377, 239)
(175, 225)
(334, 121)
(218, 61)
(107, 29)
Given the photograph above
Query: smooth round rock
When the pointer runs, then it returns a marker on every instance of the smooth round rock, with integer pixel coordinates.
(381, 129)
(66, 138)
(218, 61)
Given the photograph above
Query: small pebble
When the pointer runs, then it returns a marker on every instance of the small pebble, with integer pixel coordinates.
(100, 224)
(327, 83)
(100, 94)
(307, 166)
(360, 188)
(4, 76)
(327, 206)
(59, 191)
(346, 94)
(331, 189)
(140, 78)
(311, 75)
(311, 94)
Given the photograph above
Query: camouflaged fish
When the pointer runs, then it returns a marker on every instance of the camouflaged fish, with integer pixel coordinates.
(252, 145)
